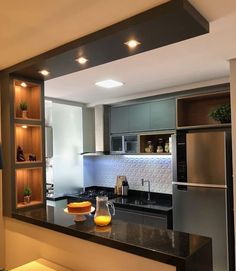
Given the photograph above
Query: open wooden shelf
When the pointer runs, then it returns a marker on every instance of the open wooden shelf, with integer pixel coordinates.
(30, 140)
(31, 177)
(194, 111)
(154, 138)
(31, 94)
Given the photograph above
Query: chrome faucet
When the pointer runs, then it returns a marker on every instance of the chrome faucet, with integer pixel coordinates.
(147, 181)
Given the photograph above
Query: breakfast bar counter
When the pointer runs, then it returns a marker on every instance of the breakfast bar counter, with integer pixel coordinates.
(182, 250)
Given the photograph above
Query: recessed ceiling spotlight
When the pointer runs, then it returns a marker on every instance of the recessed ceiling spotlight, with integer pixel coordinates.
(44, 72)
(23, 84)
(132, 43)
(82, 60)
(109, 83)
(24, 126)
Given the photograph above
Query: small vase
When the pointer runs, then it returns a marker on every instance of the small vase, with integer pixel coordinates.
(24, 114)
(149, 147)
(27, 199)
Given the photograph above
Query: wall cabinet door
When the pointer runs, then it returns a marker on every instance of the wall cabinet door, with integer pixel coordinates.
(162, 115)
(159, 115)
(119, 121)
(139, 117)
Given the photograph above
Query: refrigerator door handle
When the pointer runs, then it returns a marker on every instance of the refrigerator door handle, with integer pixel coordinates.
(220, 186)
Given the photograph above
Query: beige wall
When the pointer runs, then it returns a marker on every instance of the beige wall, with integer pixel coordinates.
(2, 242)
(2, 250)
(233, 108)
(25, 242)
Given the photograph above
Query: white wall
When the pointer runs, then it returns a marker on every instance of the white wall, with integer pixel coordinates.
(67, 145)
(103, 170)
(233, 110)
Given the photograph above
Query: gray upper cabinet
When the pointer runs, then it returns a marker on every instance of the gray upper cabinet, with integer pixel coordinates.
(139, 117)
(163, 115)
(158, 115)
(119, 121)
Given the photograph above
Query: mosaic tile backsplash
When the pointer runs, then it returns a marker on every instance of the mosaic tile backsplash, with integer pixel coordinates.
(103, 170)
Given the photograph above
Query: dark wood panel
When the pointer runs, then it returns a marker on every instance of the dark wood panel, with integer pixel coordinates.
(169, 23)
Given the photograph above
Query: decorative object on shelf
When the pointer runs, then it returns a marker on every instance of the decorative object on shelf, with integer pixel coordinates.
(102, 216)
(149, 148)
(160, 145)
(222, 113)
(20, 154)
(167, 148)
(32, 157)
(23, 108)
(27, 195)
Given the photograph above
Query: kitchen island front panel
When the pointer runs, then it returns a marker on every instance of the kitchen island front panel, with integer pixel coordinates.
(166, 246)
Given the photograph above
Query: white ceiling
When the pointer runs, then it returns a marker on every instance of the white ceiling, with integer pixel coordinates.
(31, 27)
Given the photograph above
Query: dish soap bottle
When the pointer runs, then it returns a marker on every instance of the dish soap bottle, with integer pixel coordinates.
(125, 188)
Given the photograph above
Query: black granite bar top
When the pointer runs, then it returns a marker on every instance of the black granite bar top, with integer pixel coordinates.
(185, 251)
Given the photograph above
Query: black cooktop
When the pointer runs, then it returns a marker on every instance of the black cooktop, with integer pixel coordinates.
(92, 193)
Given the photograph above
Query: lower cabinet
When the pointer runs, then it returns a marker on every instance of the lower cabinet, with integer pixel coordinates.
(142, 217)
(57, 203)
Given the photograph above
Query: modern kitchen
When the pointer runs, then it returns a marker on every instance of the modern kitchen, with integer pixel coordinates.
(101, 162)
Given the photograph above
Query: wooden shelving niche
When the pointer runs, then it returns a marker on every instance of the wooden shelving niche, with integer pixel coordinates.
(29, 162)
(156, 139)
(29, 138)
(32, 178)
(194, 111)
(29, 93)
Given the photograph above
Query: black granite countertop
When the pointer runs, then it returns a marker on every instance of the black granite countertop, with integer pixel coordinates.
(139, 204)
(56, 197)
(174, 248)
(157, 207)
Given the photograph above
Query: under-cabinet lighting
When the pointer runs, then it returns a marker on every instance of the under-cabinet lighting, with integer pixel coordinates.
(148, 156)
(24, 126)
(23, 84)
(109, 83)
(44, 72)
(132, 43)
(82, 60)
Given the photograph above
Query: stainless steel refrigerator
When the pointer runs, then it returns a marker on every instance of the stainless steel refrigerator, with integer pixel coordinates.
(202, 190)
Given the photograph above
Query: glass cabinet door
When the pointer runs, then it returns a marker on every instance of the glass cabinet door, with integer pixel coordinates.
(131, 144)
(117, 144)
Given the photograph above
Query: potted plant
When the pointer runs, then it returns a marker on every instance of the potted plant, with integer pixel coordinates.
(23, 108)
(27, 194)
(222, 113)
